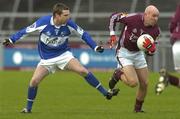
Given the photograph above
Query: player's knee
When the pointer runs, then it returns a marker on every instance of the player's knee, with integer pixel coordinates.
(83, 72)
(133, 83)
(34, 82)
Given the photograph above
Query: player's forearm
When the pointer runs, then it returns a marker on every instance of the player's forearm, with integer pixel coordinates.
(87, 38)
(112, 23)
(18, 35)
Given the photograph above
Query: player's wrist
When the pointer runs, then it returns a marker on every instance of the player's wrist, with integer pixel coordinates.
(95, 48)
(10, 41)
(112, 33)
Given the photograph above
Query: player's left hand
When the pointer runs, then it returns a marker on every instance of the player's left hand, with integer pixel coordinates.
(7, 42)
(149, 46)
(99, 49)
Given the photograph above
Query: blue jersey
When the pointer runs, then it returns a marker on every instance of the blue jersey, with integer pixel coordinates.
(53, 40)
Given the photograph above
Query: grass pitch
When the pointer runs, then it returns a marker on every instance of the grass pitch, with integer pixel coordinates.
(65, 95)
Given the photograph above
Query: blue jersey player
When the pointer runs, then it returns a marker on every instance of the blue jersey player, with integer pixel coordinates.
(55, 52)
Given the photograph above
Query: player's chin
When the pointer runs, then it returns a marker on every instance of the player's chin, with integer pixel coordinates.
(153, 23)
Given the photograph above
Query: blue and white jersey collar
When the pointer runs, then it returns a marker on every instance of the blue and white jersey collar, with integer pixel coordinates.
(52, 23)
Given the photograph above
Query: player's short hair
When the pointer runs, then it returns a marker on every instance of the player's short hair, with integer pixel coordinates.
(58, 8)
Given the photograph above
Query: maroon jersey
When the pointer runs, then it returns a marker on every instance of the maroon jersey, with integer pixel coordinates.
(175, 25)
(133, 28)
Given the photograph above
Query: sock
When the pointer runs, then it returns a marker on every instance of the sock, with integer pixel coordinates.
(91, 79)
(117, 75)
(173, 80)
(32, 91)
(138, 105)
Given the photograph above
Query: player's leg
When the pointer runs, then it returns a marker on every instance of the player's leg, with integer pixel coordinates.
(127, 75)
(115, 78)
(176, 54)
(125, 71)
(38, 76)
(173, 80)
(142, 74)
(75, 66)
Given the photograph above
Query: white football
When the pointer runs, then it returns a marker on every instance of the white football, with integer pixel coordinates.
(141, 39)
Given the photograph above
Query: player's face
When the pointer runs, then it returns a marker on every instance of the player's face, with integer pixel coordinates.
(151, 19)
(62, 19)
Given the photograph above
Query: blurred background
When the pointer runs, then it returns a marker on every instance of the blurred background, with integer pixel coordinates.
(92, 16)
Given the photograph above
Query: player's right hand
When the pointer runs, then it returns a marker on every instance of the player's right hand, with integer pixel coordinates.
(7, 42)
(112, 41)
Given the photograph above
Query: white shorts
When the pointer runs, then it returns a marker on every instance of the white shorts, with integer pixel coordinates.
(126, 57)
(56, 63)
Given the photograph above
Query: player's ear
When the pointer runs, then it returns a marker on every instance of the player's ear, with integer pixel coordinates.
(145, 14)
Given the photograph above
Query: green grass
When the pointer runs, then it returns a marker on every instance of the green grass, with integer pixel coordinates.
(65, 95)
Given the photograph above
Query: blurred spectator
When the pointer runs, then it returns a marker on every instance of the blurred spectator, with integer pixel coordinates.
(165, 77)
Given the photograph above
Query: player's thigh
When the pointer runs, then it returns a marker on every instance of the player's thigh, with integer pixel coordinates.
(74, 65)
(142, 74)
(39, 74)
(130, 73)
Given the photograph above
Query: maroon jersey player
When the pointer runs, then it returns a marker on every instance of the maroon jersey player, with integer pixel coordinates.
(132, 67)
